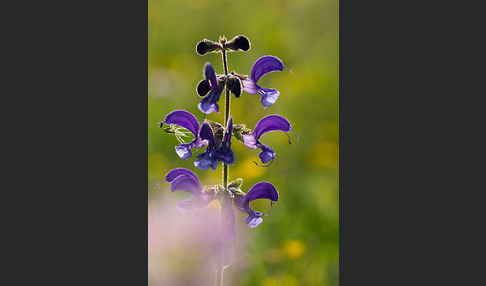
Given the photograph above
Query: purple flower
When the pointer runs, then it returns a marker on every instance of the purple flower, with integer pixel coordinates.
(262, 190)
(182, 179)
(223, 153)
(186, 120)
(209, 84)
(261, 67)
(215, 152)
(266, 124)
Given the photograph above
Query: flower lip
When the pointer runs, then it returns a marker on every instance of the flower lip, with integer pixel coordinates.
(269, 123)
(183, 119)
(261, 190)
(264, 65)
(174, 173)
(186, 184)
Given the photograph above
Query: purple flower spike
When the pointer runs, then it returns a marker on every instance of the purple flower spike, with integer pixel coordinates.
(262, 190)
(261, 67)
(266, 124)
(186, 120)
(185, 180)
(209, 104)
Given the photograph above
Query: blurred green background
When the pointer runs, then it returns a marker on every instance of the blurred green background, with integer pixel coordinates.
(298, 243)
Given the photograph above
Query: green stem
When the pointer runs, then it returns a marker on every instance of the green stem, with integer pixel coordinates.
(220, 267)
(226, 115)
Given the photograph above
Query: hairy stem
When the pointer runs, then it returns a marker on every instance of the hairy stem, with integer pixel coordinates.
(226, 115)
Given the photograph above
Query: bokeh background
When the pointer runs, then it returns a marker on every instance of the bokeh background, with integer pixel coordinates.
(298, 243)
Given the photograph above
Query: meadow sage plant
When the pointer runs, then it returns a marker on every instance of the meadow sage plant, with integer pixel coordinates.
(216, 138)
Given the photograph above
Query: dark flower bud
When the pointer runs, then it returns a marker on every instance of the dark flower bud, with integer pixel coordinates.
(239, 42)
(234, 85)
(207, 46)
(203, 87)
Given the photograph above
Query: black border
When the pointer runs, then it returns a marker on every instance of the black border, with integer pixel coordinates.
(76, 204)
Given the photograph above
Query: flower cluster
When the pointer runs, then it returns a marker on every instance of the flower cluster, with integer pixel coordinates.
(185, 180)
(216, 138)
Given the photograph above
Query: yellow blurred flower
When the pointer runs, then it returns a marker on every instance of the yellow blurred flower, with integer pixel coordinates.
(270, 282)
(289, 280)
(284, 280)
(294, 248)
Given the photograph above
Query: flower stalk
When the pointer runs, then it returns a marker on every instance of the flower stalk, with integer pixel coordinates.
(221, 266)
(216, 138)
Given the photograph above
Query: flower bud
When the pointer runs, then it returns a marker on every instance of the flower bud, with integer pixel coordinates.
(207, 46)
(239, 42)
(203, 87)
(234, 85)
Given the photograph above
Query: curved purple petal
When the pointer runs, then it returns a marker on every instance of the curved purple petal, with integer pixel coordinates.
(265, 65)
(206, 133)
(174, 173)
(271, 123)
(269, 96)
(210, 75)
(186, 183)
(183, 119)
(262, 190)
